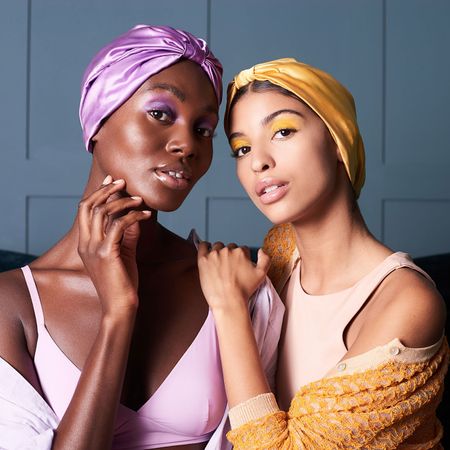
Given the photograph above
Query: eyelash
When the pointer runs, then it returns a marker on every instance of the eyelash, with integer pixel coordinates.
(290, 130)
(159, 112)
(235, 153)
(155, 112)
(212, 134)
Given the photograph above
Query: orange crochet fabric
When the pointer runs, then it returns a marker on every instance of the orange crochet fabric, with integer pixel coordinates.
(391, 406)
(280, 244)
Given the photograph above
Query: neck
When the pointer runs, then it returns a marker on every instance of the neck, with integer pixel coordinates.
(335, 246)
(156, 243)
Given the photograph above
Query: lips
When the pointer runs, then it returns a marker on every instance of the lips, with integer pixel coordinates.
(270, 190)
(179, 174)
(174, 176)
(268, 185)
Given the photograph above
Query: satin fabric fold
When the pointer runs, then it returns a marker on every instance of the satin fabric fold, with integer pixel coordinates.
(328, 98)
(121, 67)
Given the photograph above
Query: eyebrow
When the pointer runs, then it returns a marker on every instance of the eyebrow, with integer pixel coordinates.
(170, 88)
(272, 116)
(268, 119)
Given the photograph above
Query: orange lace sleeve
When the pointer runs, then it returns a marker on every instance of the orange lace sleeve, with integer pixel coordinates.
(381, 408)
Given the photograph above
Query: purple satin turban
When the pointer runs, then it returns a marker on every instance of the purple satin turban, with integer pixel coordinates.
(121, 67)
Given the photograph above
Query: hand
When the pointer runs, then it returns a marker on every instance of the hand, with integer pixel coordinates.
(228, 276)
(108, 236)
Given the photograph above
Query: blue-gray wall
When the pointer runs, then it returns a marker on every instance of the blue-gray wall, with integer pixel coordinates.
(393, 55)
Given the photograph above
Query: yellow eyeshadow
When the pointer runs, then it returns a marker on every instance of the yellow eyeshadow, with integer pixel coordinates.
(238, 143)
(284, 123)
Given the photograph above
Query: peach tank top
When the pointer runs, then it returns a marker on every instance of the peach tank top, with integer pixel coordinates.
(313, 341)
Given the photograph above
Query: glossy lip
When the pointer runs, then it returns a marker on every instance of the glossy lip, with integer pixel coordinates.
(162, 173)
(272, 196)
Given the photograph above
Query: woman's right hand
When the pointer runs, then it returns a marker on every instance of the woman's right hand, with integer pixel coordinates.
(108, 237)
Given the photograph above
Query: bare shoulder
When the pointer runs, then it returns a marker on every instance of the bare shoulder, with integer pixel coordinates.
(406, 306)
(17, 327)
(13, 294)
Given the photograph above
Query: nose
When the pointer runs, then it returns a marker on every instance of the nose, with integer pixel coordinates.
(261, 160)
(181, 143)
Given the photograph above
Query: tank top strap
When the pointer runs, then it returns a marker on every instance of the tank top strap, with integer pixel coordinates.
(367, 285)
(35, 300)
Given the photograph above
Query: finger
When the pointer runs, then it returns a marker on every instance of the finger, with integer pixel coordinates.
(102, 215)
(120, 204)
(96, 198)
(217, 246)
(130, 239)
(203, 249)
(263, 262)
(131, 236)
(247, 251)
(107, 192)
(116, 231)
(107, 180)
(86, 205)
(100, 195)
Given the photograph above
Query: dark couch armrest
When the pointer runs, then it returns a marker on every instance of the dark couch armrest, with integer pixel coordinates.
(12, 260)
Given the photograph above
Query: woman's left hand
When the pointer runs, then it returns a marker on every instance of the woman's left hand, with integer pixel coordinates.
(228, 276)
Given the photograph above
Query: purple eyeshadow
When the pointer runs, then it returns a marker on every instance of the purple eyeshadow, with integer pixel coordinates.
(162, 105)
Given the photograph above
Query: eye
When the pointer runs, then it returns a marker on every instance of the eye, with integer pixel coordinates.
(159, 114)
(241, 151)
(285, 132)
(205, 132)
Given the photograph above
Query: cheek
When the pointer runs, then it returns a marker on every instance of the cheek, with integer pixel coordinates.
(244, 174)
(316, 167)
(133, 136)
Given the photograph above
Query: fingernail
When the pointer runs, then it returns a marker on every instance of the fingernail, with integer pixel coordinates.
(118, 181)
(146, 212)
(135, 197)
(107, 180)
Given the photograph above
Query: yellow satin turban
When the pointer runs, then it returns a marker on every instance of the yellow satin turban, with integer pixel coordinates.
(335, 106)
(331, 101)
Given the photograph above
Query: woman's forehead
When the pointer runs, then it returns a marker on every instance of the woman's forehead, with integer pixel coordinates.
(185, 80)
(259, 105)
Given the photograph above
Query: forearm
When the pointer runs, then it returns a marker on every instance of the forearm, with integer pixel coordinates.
(90, 417)
(243, 373)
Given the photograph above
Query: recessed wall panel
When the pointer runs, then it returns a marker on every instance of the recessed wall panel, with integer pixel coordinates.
(236, 220)
(418, 227)
(417, 81)
(49, 218)
(13, 85)
(342, 37)
(65, 35)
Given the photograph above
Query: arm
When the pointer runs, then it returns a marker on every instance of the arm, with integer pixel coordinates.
(107, 248)
(262, 421)
(228, 279)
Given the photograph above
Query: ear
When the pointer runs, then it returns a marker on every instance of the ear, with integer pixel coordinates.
(99, 132)
(94, 138)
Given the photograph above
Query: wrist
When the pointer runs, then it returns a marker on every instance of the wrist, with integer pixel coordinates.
(236, 313)
(120, 314)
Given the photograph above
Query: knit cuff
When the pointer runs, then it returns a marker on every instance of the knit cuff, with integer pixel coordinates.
(252, 409)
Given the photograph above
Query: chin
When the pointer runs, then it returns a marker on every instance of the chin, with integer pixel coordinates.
(165, 205)
(279, 217)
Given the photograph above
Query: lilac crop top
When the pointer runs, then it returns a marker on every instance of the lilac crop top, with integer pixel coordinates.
(185, 409)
